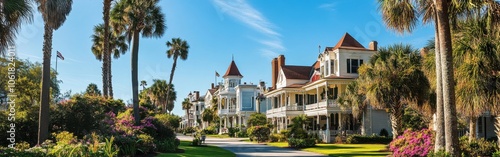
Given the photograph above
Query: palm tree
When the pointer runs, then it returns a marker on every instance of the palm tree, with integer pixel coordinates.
(392, 80)
(136, 17)
(178, 48)
(54, 14)
(172, 96)
(186, 105)
(143, 84)
(208, 115)
(476, 63)
(158, 91)
(13, 13)
(353, 98)
(116, 45)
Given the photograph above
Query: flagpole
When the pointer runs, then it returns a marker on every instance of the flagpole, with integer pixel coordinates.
(56, 63)
(215, 77)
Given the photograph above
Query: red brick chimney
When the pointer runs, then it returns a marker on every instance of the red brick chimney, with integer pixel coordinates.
(212, 87)
(274, 70)
(281, 61)
(373, 45)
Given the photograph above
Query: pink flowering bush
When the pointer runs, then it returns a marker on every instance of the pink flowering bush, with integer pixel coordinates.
(413, 143)
(123, 124)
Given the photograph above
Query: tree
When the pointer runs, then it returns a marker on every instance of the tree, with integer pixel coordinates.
(392, 80)
(92, 90)
(136, 17)
(116, 44)
(476, 63)
(159, 91)
(144, 84)
(257, 119)
(13, 13)
(353, 98)
(54, 14)
(297, 128)
(178, 48)
(186, 105)
(208, 115)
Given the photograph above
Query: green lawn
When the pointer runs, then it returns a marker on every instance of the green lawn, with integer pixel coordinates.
(203, 151)
(343, 150)
(219, 136)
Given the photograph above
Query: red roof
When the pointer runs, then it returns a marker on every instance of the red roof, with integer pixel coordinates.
(348, 42)
(296, 72)
(232, 70)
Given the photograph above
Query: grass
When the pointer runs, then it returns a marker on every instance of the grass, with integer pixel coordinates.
(199, 151)
(343, 150)
(219, 136)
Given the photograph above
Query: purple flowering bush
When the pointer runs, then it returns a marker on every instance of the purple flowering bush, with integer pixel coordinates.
(413, 143)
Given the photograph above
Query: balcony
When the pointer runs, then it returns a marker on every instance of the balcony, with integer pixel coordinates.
(227, 111)
(330, 104)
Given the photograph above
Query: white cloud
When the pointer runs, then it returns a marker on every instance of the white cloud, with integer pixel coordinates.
(328, 6)
(248, 15)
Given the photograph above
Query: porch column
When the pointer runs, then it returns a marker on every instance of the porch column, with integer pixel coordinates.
(239, 119)
(328, 138)
(326, 92)
(341, 127)
(317, 96)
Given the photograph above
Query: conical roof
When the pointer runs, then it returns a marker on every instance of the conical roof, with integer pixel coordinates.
(347, 41)
(232, 70)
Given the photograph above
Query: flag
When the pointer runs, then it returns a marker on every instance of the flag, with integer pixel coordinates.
(60, 55)
(217, 74)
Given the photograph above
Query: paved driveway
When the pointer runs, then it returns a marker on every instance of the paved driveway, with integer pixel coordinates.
(247, 149)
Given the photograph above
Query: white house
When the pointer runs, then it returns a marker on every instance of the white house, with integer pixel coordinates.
(313, 90)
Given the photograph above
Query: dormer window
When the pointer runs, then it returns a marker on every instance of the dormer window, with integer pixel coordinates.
(353, 65)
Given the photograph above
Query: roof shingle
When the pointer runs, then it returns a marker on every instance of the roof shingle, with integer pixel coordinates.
(232, 70)
(296, 72)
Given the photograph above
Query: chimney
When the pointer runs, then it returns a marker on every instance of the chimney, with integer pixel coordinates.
(281, 61)
(424, 51)
(274, 66)
(373, 45)
(212, 86)
(197, 95)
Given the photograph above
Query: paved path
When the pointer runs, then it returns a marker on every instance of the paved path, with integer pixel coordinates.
(247, 149)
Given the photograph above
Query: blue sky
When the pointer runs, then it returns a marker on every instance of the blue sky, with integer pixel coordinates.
(253, 31)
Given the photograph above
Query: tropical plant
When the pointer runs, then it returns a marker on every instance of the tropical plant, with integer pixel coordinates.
(186, 105)
(392, 80)
(477, 61)
(159, 91)
(208, 115)
(136, 17)
(116, 46)
(353, 99)
(178, 48)
(54, 14)
(296, 129)
(13, 13)
(257, 119)
(144, 84)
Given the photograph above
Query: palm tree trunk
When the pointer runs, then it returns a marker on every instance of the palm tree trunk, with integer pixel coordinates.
(106, 59)
(104, 77)
(170, 80)
(396, 117)
(110, 81)
(449, 108)
(43, 119)
(135, 83)
(472, 128)
(440, 141)
(497, 129)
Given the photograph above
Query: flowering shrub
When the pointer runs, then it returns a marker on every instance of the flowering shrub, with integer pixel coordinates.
(259, 133)
(123, 124)
(413, 143)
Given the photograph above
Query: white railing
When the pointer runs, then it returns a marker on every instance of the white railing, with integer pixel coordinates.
(322, 104)
(227, 111)
(295, 108)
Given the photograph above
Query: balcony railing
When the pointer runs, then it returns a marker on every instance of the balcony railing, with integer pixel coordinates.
(322, 104)
(227, 111)
(286, 108)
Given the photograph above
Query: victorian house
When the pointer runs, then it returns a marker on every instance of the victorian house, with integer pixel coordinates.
(313, 90)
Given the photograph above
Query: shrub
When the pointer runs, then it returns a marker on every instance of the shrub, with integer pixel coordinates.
(188, 130)
(477, 147)
(232, 131)
(496, 154)
(384, 133)
(285, 133)
(360, 139)
(277, 138)
(338, 139)
(64, 137)
(301, 142)
(163, 127)
(168, 145)
(145, 144)
(128, 145)
(241, 133)
(260, 133)
(22, 146)
(413, 143)
(110, 150)
(210, 130)
(440, 153)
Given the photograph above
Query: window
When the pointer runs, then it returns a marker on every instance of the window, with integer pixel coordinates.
(332, 66)
(353, 65)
